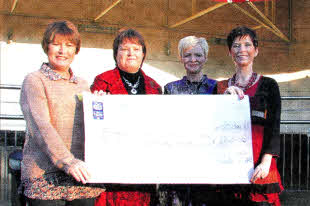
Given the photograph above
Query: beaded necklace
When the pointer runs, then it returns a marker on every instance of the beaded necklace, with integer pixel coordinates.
(133, 86)
(249, 84)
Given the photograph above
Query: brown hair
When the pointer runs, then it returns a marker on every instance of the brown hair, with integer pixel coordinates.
(64, 28)
(240, 32)
(128, 34)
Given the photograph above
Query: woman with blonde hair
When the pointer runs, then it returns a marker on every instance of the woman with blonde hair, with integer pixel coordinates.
(193, 53)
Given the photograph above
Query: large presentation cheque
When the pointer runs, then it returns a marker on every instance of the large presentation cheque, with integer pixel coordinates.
(168, 139)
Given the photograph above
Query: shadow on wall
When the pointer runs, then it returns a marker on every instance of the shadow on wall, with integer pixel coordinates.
(19, 59)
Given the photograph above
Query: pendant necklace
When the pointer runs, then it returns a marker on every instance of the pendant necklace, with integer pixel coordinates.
(133, 86)
(248, 85)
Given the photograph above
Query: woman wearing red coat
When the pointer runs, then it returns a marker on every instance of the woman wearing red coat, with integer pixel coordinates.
(127, 78)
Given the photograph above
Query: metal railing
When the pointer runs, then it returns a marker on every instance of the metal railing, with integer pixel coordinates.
(9, 142)
(8, 116)
(293, 163)
(11, 117)
(10, 86)
(295, 121)
(20, 117)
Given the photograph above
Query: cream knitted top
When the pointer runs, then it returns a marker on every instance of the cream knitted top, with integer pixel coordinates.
(54, 119)
(54, 136)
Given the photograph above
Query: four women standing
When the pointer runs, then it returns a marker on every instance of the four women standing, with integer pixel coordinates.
(53, 171)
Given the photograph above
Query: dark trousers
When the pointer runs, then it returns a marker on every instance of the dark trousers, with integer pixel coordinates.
(77, 202)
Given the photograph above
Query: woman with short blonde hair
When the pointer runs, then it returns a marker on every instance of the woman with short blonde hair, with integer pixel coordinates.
(191, 41)
(193, 53)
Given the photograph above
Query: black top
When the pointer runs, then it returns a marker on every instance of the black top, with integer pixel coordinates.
(267, 98)
(133, 78)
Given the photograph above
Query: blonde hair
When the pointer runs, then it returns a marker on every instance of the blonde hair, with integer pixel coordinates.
(191, 41)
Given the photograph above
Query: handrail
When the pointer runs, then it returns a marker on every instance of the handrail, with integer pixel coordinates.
(295, 98)
(11, 117)
(21, 117)
(10, 86)
(295, 122)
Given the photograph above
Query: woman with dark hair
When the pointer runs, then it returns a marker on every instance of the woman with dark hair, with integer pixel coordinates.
(129, 52)
(265, 104)
(53, 171)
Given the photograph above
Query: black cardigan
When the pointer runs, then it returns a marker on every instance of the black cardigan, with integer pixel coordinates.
(266, 100)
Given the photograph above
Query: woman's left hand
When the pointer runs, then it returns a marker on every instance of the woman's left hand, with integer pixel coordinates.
(262, 170)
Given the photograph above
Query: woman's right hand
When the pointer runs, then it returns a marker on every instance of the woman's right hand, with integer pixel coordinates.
(235, 91)
(100, 93)
(79, 171)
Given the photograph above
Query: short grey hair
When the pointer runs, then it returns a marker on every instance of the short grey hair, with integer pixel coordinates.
(191, 41)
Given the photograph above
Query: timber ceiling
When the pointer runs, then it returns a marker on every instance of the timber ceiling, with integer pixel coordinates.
(270, 18)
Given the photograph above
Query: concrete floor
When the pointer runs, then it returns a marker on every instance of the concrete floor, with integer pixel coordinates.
(4, 203)
(295, 198)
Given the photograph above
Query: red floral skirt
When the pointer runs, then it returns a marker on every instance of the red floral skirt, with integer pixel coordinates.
(123, 198)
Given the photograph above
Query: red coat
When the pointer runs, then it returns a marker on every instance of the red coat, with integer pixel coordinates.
(110, 81)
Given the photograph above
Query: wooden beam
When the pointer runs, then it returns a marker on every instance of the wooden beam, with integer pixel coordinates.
(201, 13)
(267, 7)
(107, 9)
(268, 21)
(194, 7)
(273, 11)
(260, 22)
(257, 27)
(13, 5)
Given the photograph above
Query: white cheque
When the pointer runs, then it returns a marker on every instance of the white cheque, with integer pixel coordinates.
(177, 139)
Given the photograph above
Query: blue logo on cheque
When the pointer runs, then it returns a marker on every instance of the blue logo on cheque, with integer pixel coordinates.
(97, 110)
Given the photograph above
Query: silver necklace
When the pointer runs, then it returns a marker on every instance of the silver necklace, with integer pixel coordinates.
(133, 87)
